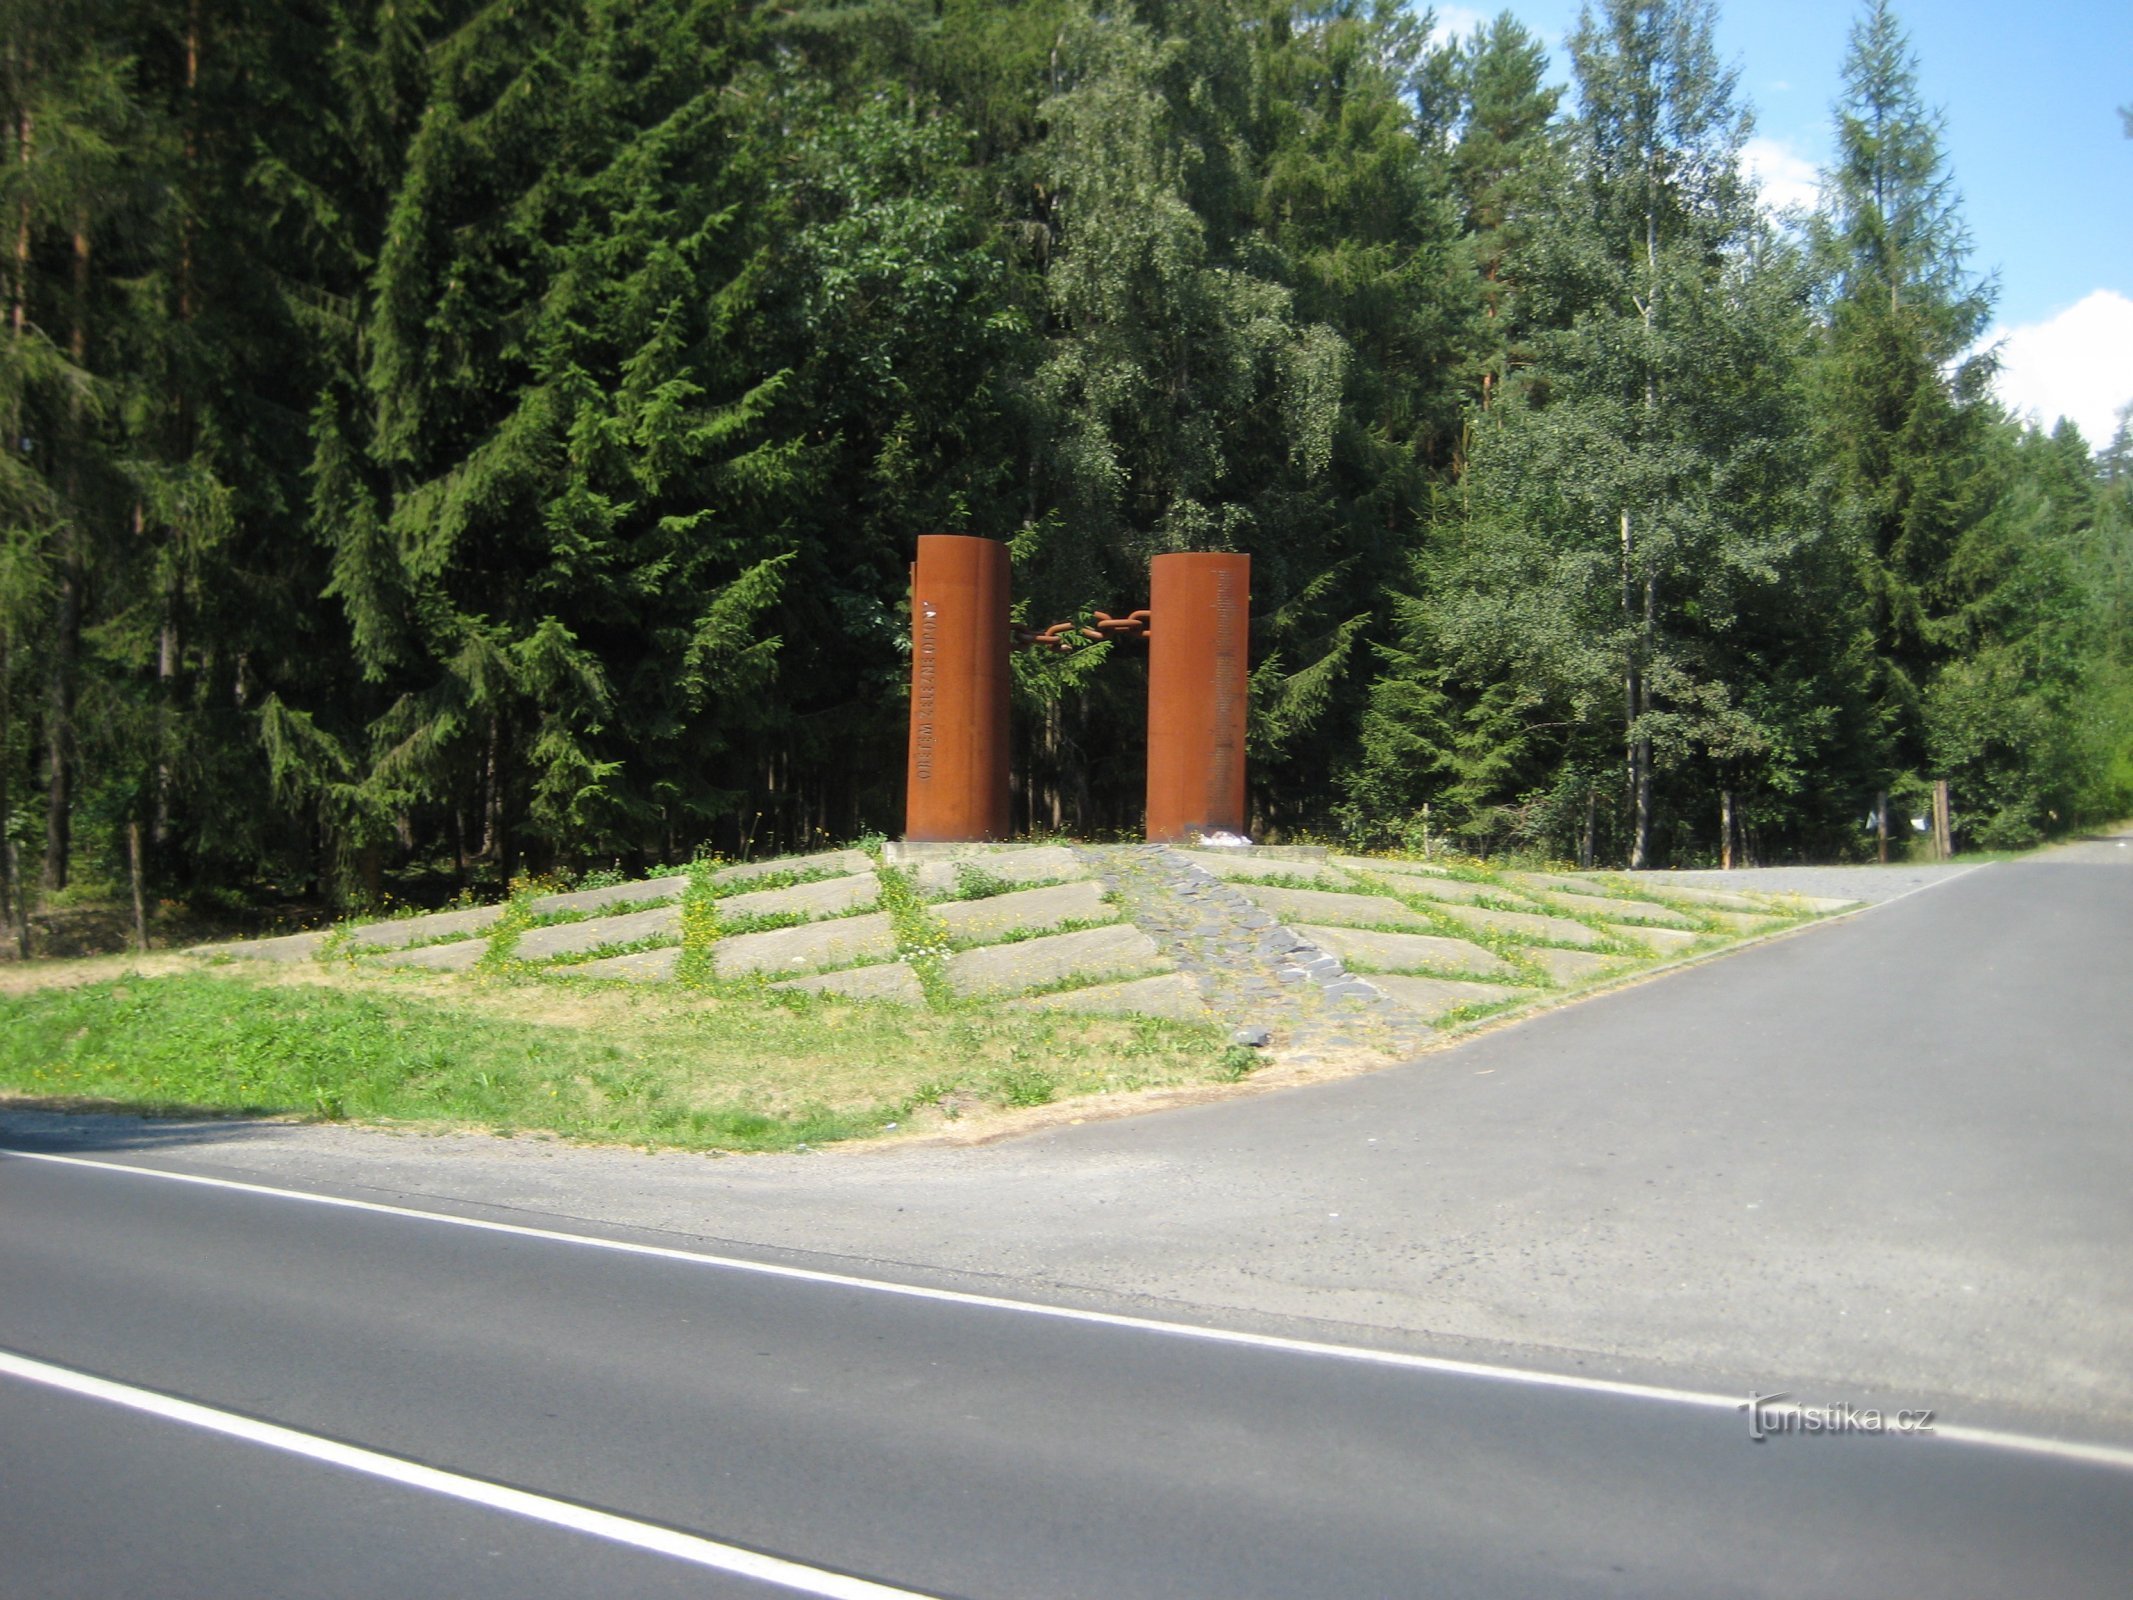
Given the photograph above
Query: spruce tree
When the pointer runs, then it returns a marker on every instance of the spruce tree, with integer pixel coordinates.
(1902, 411)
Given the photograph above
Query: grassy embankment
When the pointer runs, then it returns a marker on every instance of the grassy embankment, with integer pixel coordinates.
(732, 1071)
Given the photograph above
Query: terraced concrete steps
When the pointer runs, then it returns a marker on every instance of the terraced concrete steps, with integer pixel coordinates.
(1321, 951)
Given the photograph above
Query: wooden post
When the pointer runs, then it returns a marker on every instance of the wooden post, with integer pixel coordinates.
(1725, 829)
(1943, 832)
(1881, 825)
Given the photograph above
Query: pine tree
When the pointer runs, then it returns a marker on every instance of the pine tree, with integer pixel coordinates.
(1902, 410)
(1503, 158)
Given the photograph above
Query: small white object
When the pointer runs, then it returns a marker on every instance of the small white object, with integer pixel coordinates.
(1225, 841)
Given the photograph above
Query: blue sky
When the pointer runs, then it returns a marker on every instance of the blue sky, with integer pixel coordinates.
(2033, 138)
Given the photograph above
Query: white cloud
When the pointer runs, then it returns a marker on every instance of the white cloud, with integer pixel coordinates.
(1456, 22)
(1782, 176)
(2078, 364)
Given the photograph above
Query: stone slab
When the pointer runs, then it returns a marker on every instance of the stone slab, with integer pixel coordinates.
(1001, 914)
(645, 891)
(1593, 905)
(1243, 864)
(1816, 905)
(889, 980)
(1460, 891)
(1521, 925)
(641, 966)
(413, 930)
(1431, 998)
(1738, 922)
(1719, 898)
(1404, 952)
(1323, 905)
(1558, 880)
(1572, 966)
(1406, 869)
(1032, 963)
(1661, 941)
(838, 943)
(568, 938)
(1171, 995)
(830, 897)
(462, 956)
(1010, 866)
(844, 862)
(282, 947)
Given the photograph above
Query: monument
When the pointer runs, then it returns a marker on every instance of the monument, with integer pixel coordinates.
(1198, 625)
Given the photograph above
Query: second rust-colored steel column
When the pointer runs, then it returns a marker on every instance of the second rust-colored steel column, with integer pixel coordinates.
(957, 775)
(1199, 619)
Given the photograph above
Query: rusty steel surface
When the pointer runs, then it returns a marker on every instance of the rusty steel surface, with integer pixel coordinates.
(957, 774)
(1102, 625)
(1199, 609)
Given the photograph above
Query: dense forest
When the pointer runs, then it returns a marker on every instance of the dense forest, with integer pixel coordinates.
(451, 437)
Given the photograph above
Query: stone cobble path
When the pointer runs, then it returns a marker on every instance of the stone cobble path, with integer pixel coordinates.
(1250, 968)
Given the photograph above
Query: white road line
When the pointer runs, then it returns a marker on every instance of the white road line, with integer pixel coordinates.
(2090, 1454)
(687, 1547)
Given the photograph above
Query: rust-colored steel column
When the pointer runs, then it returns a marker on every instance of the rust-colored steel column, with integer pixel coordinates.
(958, 770)
(1199, 616)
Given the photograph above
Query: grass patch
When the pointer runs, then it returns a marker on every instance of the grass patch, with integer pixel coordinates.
(603, 952)
(987, 940)
(782, 878)
(1284, 880)
(732, 1070)
(695, 968)
(922, 938)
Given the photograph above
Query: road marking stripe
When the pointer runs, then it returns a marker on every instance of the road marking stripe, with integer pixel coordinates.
(2068, 1450)
(606, 1525)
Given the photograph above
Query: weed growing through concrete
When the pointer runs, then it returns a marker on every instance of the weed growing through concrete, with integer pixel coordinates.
(501, 957)
(922, 939)
(700, 930)
(973, 882)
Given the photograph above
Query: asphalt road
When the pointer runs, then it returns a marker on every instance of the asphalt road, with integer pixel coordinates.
(941, 1446)
(1884, 1163)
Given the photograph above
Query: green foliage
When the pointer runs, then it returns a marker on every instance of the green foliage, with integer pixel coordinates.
(454, 438)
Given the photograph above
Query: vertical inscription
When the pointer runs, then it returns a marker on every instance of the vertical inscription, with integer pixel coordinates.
(928, 679)
(1222, 766)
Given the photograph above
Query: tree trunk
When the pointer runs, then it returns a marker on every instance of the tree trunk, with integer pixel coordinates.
(59, 717)
(1636, 696)
(1725, 829)
(25, 130)
(66, 643)
(491, 847)
(140, 899)
(167, 648)
(8, 886)
(22, 897)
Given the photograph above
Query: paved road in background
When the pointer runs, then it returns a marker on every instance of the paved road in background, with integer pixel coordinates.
(1881, 1163)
